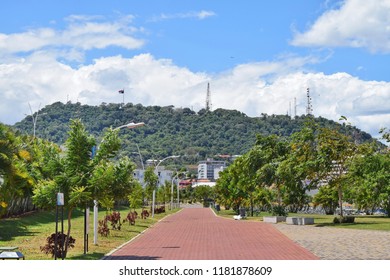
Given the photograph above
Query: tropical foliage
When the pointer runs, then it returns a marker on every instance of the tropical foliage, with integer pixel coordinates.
(169, 130)
(82, 177)
(276, 173)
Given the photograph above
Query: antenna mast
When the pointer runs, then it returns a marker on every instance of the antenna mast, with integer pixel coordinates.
(295, 107)
(309, 108)
(208, 98)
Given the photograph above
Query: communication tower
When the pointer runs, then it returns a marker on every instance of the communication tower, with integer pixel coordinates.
(309, 108)
(208, 98)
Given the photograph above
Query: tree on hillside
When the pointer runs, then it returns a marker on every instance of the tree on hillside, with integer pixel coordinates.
(385, 134)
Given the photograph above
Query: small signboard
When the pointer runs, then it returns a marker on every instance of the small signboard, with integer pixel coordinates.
(60, 199)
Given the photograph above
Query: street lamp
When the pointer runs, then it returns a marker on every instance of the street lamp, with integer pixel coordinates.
(34, 118)
(154, 191)
(177, 177)
(95, 202)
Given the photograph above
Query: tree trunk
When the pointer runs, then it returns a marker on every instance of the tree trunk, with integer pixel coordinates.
(340, 192)
(251, 201)
(68, 234)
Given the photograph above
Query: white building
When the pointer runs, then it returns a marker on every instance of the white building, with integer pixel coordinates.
(210, 169)
(163, 175)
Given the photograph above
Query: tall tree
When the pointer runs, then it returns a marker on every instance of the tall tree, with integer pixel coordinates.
(82, 177)
(335, 150)
(369, 178)
(151, 180)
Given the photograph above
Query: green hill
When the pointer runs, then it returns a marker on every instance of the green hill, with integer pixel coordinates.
(169, 130)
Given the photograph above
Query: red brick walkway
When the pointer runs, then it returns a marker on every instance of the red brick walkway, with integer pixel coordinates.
(197, 234)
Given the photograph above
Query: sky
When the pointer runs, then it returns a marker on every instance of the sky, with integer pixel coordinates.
(258, 56)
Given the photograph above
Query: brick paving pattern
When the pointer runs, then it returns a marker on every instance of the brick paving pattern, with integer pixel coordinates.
(198, 234)
(340, 244)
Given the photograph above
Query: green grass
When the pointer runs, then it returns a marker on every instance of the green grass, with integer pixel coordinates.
(29, 233)
(361, 222)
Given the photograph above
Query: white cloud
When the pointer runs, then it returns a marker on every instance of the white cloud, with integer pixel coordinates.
(200, 15)
(82, 33)
(357, 24)
(254, 88)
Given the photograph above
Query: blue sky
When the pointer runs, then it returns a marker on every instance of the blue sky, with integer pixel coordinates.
(258, 56)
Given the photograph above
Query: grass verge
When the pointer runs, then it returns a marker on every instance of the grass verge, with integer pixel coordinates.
(30, 231)
(361, 222)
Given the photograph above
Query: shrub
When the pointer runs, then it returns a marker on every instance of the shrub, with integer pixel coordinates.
(345, 219)
(50, 247)
(115, 219)
(103, 229)
(131, 216)
(159, 210)
(278, 210)
(144, 214)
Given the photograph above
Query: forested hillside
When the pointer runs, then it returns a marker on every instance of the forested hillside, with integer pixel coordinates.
(169, 130)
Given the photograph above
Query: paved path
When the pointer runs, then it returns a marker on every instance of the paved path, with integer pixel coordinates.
(197, 234)
(329, 243)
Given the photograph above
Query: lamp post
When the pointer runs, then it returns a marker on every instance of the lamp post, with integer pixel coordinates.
(177, 188)
(95, 202)
(154, 191)
(34, 118)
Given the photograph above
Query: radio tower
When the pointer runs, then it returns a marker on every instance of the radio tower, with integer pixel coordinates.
(208, 98)
(309, 108)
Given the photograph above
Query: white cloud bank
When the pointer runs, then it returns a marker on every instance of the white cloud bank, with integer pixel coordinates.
(266, 87)
(357, 24)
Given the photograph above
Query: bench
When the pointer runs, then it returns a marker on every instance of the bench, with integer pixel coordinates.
(299, 221)
(274, 219)
(11, 255)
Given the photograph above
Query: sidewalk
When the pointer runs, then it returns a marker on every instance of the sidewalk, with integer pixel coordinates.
(198, 234)
(329, 243)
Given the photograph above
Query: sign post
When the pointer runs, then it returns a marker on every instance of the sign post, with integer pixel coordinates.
(60, 204)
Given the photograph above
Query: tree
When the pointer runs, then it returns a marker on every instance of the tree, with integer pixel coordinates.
(327, 197)
(369, 178)
(227, 190)
(385, 134)
(15, 180)
(204, 194)
(299, 169)
(136, 196)
(273, 153)
(82, 177)
(151, 180)
(335, 150)
(164, 192)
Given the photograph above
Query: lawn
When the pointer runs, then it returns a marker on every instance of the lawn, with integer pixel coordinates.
(29, 233)
(371, 222)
